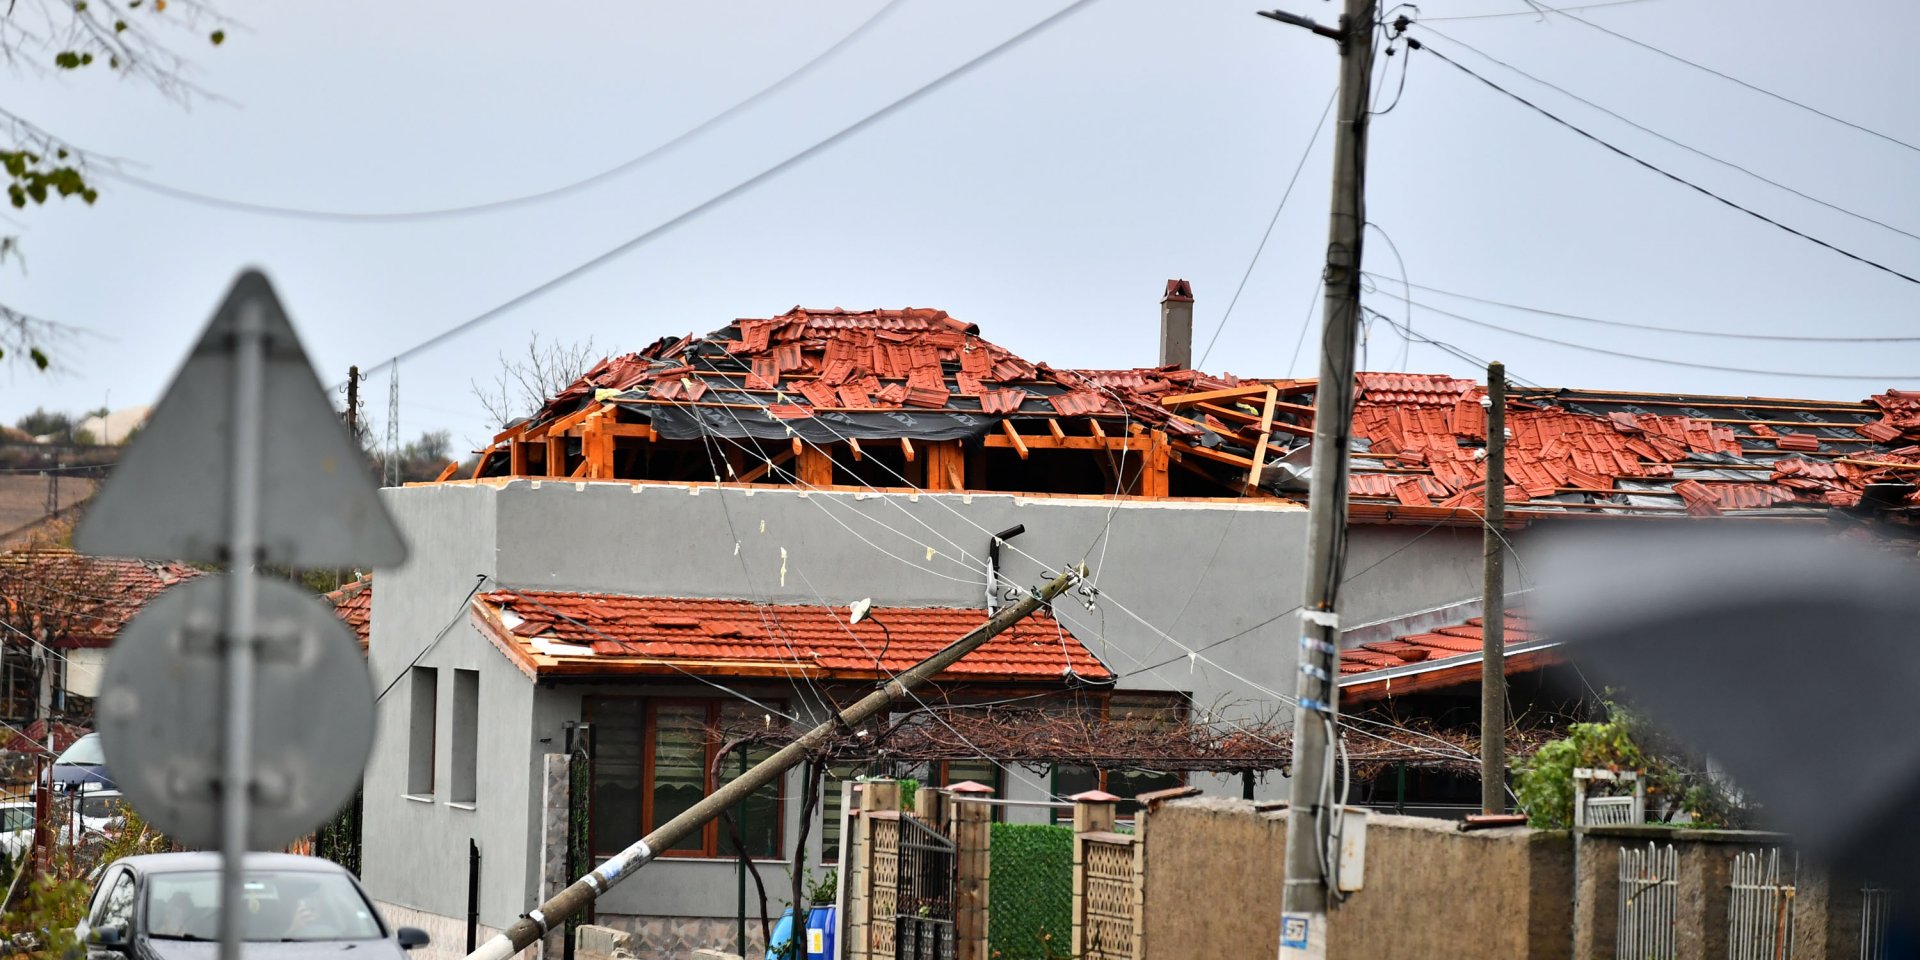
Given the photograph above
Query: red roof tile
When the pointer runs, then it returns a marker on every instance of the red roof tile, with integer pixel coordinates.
(1454, 641)
(83, 600)
(353, 604)
(601, 633)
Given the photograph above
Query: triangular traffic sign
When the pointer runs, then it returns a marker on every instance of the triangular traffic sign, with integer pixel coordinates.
(169, 496)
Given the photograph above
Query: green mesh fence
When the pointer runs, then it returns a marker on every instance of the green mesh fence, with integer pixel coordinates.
(1030, 900)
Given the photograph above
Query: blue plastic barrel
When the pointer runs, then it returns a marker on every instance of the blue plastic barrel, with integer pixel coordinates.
(820, 933)
(782, 932)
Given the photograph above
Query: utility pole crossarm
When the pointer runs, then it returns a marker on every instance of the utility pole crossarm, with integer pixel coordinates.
(564, 905)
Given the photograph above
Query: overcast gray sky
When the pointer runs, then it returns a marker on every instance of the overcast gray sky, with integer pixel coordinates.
(1046, 197)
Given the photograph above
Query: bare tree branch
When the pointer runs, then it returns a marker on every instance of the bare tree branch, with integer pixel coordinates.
(523, 384)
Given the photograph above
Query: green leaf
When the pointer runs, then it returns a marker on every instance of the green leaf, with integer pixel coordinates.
(218, 37)
(79, 6)
(38, 191)
(39, 359)
(119, 26)
(89, 195)
(17, 196)
(66, 60)
(85, 59)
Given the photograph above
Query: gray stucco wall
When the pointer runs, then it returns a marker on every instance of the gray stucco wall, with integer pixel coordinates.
(1202, 572)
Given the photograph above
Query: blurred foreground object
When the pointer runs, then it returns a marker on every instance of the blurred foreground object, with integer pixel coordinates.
(1791, 658)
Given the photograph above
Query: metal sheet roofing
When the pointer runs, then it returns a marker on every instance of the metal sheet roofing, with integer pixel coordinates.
(551, 633)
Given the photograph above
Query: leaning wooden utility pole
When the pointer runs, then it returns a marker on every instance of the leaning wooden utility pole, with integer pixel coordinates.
(1303, 926)
(558, 908)
(1493, 605)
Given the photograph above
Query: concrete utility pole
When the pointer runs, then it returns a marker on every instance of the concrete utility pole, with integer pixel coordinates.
(527, 931)
(353, 403)
(1493, 604)
(1303, 923)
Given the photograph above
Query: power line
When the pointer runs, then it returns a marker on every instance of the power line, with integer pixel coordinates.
(1535, 13)
(739, 188)
(1262, 246)
(1662, 360)
(1417, 45)
(1724, 76)
(338, 216)
(1442, 345)
(1654, 328)
(1687, 147)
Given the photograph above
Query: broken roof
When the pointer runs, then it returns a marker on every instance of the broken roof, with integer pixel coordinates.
(85, 600)
(1587, 451)
(828, 376)
(548, 634)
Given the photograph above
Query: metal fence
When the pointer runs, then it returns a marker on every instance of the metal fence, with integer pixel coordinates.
(1876, 914)
(1649, 881)
(1760, 907)
(1610, 810)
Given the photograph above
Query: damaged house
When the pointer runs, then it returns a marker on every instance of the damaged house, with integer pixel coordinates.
(673, 546)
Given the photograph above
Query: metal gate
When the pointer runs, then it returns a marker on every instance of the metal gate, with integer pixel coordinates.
(1876, 911)
(1760, 907)
(923, 906)
(1648, 882)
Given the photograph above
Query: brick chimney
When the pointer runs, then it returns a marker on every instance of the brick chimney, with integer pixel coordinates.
(1176, 325)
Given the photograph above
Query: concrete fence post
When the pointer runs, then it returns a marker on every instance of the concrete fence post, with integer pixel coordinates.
(1093, 812)
(875, 796)
(972, 841)
(555, 834)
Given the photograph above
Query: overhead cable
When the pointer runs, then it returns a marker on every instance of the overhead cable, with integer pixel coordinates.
(552, 193)
(1676, 178)
(1534, 12)
(691, 213)
(1650, 327)
(1663, 361)
(1783, 98)
(1262, 245)
(1687, 147)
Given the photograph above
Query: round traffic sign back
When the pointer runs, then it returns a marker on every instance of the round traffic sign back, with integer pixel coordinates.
(160, 713)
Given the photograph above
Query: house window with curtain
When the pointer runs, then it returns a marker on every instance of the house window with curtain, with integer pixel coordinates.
(654, 758)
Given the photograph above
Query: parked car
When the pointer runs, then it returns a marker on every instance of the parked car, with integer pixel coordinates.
(166, 906)
(83, 763)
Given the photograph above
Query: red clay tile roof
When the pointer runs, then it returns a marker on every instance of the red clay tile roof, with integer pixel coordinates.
(552, 633)
(33, 737)
(1462, 640)
(353, 604)
(83, 600)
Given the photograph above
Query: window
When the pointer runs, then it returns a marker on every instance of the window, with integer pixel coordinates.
(281, 906)
(654, 759)
(420, 731)
(466, 736)
(117, 908)
(830, 807)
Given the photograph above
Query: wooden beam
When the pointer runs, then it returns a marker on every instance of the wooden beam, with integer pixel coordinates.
(906, 448)
(1013, 436)
(516, 458)
(1053, 426)
(853, 444)
(766, 465)
(1063, 443)
(581, 470)
(816, 467)
(1249, 419)
(641, 430)
(556, 456)
(448, 471)
(514, 431)
(481, 464)
(1094, 428)
(1266, 434)
(1228, 394)
(1216, 455)
(1153, 476)
(797, 445)
(567, 422)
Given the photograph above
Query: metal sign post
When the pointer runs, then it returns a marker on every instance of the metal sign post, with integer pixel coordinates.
(207, 481)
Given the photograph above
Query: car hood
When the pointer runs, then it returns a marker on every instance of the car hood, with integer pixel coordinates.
(313, 950)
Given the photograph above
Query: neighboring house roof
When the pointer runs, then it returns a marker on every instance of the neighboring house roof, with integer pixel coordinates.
(86, 599)
(549, 634)
(1585, 452)
(1438, 659)
(353, 604)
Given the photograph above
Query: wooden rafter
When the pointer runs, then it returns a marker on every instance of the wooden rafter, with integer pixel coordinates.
(766, 465)
(1266, 434)
(1014, 439)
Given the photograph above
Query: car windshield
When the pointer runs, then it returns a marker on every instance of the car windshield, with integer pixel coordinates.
(100, 806)
(85, 752)
(281, 906)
